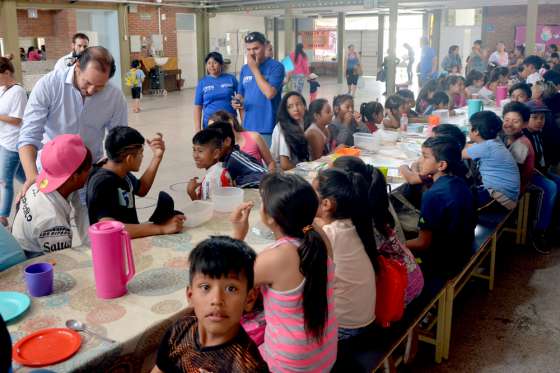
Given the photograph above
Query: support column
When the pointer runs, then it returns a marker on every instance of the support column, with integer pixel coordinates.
(275, 39)
(124, 43)
(435, 37)
(531, 34)
(8, 17)
(380, 36)
(202, 41)
(289, 36)
(391, 71)
(340, 26)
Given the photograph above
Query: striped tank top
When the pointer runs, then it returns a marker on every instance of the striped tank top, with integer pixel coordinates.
(286, 347)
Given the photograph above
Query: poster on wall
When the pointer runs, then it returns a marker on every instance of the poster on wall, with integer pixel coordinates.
(546, 35)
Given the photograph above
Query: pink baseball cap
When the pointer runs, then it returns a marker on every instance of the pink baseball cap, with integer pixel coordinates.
(60, 158)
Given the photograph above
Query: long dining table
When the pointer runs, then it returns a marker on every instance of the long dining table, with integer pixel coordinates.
(156, 295)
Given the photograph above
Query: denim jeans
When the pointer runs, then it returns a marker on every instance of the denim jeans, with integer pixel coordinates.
(10, 167)
(550, 190)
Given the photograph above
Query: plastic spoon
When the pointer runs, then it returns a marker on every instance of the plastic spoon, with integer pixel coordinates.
(81, 327)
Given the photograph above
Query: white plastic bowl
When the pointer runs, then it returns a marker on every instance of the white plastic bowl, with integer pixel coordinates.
(415, 128)
(198, 213)
(226, 199)
(367, 141)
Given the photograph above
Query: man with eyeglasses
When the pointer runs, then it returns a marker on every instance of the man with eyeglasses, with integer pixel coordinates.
(260, 88)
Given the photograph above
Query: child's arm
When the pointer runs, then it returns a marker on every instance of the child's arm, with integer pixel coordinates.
(192, 186)
(422, 242)
(391, 122)
(410, 176)
(173, 225)
(156, 370)
(240, 220)
(265, 151)
(286, 164)
(146, 181)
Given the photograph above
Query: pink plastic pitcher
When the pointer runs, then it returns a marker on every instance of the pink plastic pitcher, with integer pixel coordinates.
(501, 94)
(109, 241)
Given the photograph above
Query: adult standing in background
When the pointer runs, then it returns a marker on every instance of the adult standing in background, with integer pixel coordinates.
(213, 92)
(12, 105)
(476, 59)
(78, 100)
(500, 56)
(452, 62)
(33, 54)
(427, 67)
(79, 44)
(409, 61)
(269, 50)
(301, 68)
(353, 69)
(260, 88)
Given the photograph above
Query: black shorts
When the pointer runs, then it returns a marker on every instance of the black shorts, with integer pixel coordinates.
(136, 92)
(352, 79)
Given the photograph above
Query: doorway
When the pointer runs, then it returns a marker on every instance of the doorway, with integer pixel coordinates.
(187, 49)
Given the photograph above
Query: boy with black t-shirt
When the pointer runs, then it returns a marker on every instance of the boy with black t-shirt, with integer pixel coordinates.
(111, 186)
(212, 339)
(447, 216)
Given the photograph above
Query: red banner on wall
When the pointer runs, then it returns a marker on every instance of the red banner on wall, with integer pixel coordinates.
(317, 39)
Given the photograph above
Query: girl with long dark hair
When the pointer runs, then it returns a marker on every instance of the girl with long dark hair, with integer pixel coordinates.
(289, 146)
(317, 133)
(296, 277)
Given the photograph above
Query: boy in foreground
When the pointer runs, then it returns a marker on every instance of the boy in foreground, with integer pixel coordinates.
(220, 289)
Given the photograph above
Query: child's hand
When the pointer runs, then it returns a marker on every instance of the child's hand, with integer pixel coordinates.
(357, 116)
(157, 145)
(173, 225)
(192, 186)
(240, 220)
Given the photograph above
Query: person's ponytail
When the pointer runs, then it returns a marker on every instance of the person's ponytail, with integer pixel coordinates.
(313, 266)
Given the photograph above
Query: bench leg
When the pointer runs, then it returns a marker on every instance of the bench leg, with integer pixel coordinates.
(520, 220)
(526, 223)
(493, 246)
(441, 328)
(448, 317)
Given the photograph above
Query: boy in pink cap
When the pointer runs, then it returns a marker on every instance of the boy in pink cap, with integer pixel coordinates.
(42, 223)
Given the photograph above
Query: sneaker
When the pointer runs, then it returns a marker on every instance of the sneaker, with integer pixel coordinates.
(540, 245)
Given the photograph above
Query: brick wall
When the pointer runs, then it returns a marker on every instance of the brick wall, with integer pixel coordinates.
(503, 19)
(42, 26)
(139, 24)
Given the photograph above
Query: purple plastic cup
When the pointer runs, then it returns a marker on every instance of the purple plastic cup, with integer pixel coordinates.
(39, 279)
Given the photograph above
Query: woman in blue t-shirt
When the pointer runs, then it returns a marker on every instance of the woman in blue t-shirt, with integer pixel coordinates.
(213, 92)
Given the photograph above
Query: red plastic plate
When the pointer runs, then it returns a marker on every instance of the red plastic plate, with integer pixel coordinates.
(47, 347)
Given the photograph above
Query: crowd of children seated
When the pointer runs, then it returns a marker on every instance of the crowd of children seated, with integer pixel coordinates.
(316, 283)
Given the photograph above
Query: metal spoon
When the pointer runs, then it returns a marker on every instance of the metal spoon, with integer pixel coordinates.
(81, 327)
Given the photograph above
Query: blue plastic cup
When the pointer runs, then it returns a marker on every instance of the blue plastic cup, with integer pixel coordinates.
(39, 279)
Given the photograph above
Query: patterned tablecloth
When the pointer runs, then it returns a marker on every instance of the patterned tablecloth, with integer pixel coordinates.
(137, 321)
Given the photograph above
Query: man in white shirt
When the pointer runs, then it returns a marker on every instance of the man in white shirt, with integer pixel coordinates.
(42, 223)
(79, 43)
(531, 67)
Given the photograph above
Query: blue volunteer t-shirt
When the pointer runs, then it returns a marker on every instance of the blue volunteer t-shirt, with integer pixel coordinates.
(498, 169)
(215, 94)
(260, 112)
(448, 211)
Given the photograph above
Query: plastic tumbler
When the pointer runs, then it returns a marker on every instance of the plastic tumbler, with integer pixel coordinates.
(39, 279)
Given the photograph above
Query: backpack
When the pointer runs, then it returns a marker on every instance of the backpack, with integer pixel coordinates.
(390, 283)
(132, 78)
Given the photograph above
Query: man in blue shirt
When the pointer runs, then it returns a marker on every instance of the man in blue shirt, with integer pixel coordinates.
(76, 100)
(428, 62)
(260, 88)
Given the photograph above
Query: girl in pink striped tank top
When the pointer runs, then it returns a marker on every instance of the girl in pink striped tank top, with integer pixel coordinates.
(296, 276)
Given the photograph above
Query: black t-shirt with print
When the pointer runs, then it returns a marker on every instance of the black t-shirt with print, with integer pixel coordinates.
(110, 196)
(180, 352)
